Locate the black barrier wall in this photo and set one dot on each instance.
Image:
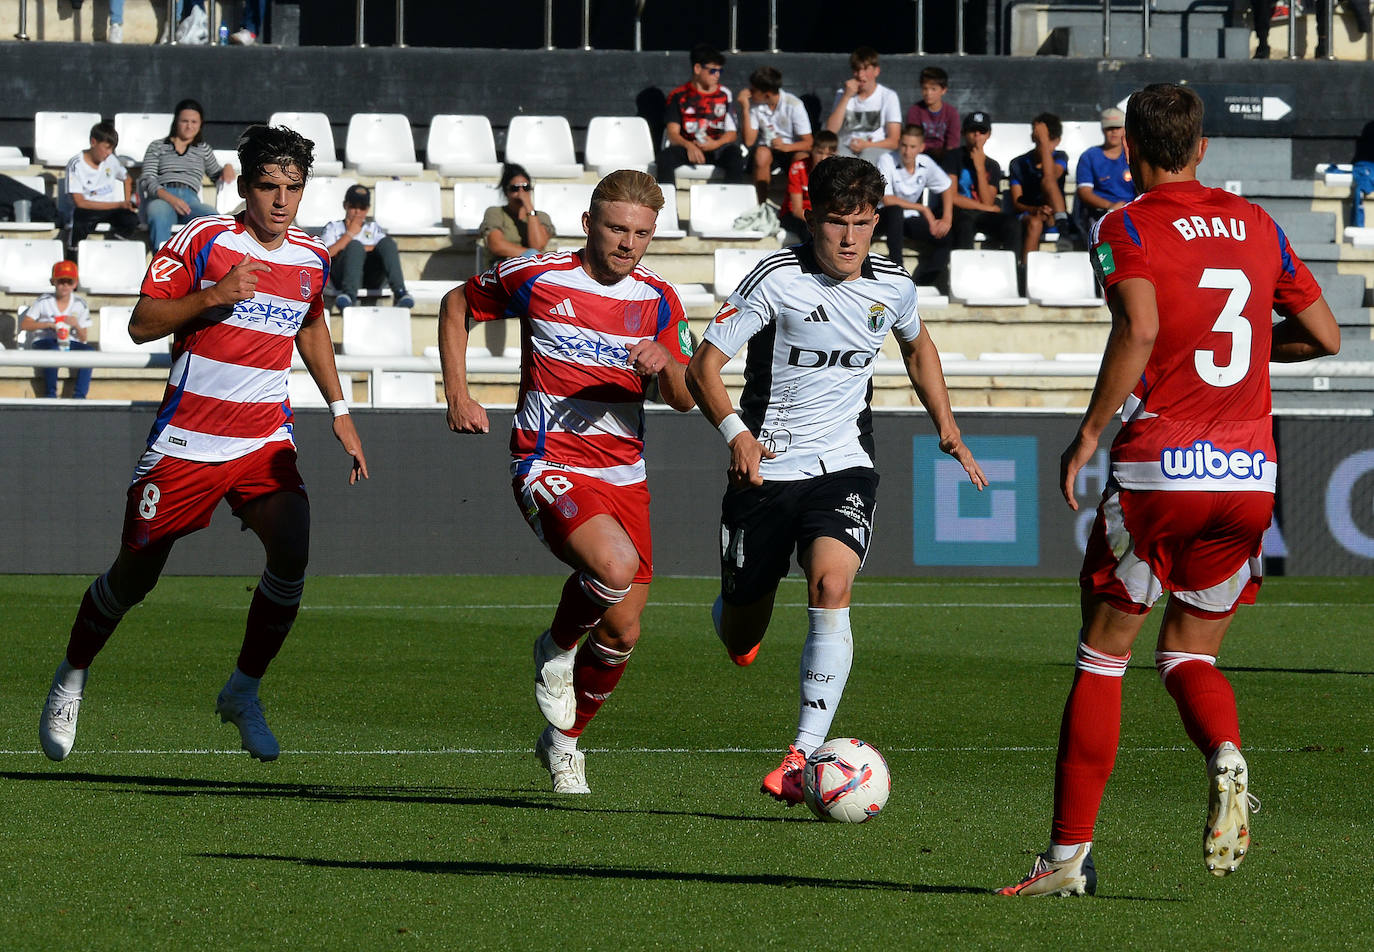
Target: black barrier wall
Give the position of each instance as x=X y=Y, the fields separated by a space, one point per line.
x=439 y=503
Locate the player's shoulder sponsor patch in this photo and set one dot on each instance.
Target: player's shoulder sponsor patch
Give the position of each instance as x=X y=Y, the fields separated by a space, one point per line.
x=162 y=269
x=1103 y=261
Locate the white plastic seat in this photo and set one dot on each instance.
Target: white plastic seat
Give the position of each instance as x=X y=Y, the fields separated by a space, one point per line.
x=138 y=130
x=225 y=197
x=462 y=146
x=715 y=208
x=470 y=202
x=928 y=297
x=26 y=264
x=1010 y=357
x=619 y=142
x=402 y=389
x=732 y=265
x=1079 y=136
x=376 y=331
x=57 y=136
x=381 y=143
x=302 y=390
x=1007 y=141
x=408 y=208
x=315 y=127
x=984 y=278
x=1360 y=237
x=565 y=205
x=111 y=267
x=699 y=173
x=322 y=201
x=114 y=333
x=668 y=225
x=12 y=158
x=543 y=145
x=694 y=295
x=1061 y=280
x=36 y=182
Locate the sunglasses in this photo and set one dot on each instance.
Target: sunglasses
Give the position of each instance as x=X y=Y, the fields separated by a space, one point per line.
x=520 y=188
x=713 y=70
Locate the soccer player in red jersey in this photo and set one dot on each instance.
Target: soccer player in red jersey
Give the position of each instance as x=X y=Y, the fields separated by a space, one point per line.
x=596 y=327
x=235 y=293
x=1191 y=274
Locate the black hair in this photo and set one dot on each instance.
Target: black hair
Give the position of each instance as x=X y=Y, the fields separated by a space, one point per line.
x=510 y=171
x=703 y=55
x=1052 y=124
x=844 y=185
x=261 y=146
x=934 y=74
x=105 y=132
x=188 y=104
x=766 y=79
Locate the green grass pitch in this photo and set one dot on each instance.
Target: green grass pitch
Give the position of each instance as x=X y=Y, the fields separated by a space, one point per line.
x=408 y=812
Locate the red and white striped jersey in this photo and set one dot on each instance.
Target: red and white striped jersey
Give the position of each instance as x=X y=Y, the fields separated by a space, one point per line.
x=226 y=394
x=581 y=407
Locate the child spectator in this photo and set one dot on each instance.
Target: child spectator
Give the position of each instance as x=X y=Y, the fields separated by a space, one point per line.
x=978 y=180
x=1103 y=176
x=97 y=189
x=700 y=128
x=866 y=116
x=61 y=306
x=906 y=211
x=774 y=125
x=938 y=118
x=1037 y=184
x=793 y=217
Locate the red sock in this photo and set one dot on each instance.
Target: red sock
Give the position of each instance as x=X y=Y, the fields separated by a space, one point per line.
x=596 y=671
x=95 y=622
x=581 y=606
x=1088 y=738
x=276 y=603
x=1205 y=699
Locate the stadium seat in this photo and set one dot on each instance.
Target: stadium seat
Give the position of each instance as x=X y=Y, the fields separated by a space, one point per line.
x=12 y=159
x=1061 y=280
x=381 y=143
x=402 y=389
x=543 y=145
x=26 y=264
x=732 y=265
x=322 y=201
x=1008 y=140
x=376 y=331
x=111 y=267
x=138 y=130
x=225 y=197
x=715 y=208
x=470 y=202
x=1007 y=357
x=928 y=297
x=315 y=127
x=114 y=333
x=694 y=295
x=1079 y=137
x=565 y=205
x=698 y=173
x=462 y=146
x=302 y=391
x=619 y=142
x=1336 y=174
x=668 y=225
x=984 y=278
x=57 y=136
x=408 y=208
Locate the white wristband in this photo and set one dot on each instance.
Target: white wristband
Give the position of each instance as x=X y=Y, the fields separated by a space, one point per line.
x=339 y=408
x=731 y=427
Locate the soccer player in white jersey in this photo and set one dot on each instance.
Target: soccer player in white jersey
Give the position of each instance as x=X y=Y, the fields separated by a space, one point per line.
x=597 y=328
x=801 y=472
x=236 y=293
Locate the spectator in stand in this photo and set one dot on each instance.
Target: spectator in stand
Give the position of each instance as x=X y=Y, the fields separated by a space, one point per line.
x=97 y=189
x=1362 y=174
x=515 y=228
x=361 y=254
x=1359 y=9
x=906 y=212
x=61 y=306
x=114 y=33
x=793 y=217
x=774 y=126
x=41 y=208
x=1103 y=177
x=251 y=23
x=173 y=170
x=938 y=118
x=976 y=199
x=867 y=115
x=1037 y=184
x=700 y=127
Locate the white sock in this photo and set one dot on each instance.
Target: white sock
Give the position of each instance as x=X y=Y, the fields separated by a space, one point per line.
x=825 y=661
x=1058 y=852
x=69 y=679
x=561 y=742
x=240 y=683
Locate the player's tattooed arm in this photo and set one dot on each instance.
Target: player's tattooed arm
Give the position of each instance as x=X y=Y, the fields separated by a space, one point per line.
x=465 y=415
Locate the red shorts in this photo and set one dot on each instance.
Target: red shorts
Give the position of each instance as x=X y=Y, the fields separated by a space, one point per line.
x=170 y=498
x=555 y=502
x=1203 y=547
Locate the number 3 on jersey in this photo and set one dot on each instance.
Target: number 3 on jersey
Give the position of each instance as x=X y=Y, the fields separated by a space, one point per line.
x=1231 y=322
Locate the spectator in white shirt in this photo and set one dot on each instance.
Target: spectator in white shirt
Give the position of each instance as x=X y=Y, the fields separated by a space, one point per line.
x=906 y=212
x=774 y=125
x=97 y=189
x=867 y=115
x=361 y=254
x=59 y=320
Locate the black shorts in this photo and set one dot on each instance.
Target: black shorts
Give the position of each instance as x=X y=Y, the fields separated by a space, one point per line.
x=761 y=525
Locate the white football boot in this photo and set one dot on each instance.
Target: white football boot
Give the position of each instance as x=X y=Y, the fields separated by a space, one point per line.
x=1075 y=876
x=57 y=723
x=245 y=713
x=553 y=682
x=567 y=769
x=1226 y=838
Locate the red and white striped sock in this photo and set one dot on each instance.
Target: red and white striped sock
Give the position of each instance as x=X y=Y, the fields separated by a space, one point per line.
x=596 y=671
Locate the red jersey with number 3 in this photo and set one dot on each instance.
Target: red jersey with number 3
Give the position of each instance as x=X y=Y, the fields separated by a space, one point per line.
x=226 y=394
x=1198 y=418
x=581 y=407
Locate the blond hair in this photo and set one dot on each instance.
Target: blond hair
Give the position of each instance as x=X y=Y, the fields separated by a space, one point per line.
x=628 y=185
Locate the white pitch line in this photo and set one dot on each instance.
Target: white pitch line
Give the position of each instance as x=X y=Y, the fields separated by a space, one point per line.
x=549 y=606
x=487 y=751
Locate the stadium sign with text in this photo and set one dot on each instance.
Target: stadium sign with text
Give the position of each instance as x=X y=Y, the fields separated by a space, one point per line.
x=1240 y=109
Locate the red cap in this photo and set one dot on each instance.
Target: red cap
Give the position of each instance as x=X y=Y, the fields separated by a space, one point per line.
x=64 y=269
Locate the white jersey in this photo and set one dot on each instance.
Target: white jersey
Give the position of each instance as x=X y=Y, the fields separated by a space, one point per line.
x=911 y=186
x=371 y=233
x=46 y=311
x=808 y=376
x=101 y=183
x=787 y=120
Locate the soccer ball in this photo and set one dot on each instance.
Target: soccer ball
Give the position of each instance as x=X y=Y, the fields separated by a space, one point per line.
x=846 y=781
